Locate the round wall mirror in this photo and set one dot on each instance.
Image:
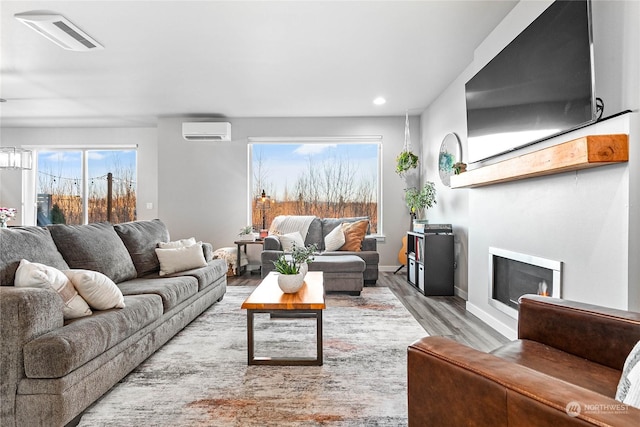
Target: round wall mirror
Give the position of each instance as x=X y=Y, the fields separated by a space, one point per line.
x=450 y=154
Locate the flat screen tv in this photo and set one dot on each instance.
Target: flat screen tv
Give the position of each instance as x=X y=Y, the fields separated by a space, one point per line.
x=540 y=85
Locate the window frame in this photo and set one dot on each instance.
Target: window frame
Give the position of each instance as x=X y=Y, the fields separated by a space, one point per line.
x=29 y=189
x=354 y=139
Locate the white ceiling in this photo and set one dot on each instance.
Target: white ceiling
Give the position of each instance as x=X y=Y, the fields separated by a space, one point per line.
x=237 y=59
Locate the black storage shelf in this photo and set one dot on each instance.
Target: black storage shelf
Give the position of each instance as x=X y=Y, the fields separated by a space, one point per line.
x=430 y=262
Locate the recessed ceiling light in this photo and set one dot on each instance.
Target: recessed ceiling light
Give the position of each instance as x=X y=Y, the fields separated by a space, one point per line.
x=379 y=101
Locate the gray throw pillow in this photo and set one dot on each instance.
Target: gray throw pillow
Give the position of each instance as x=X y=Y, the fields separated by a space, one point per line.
x=314 y=235
x=141 y=239
x=94 y=247
x=31 y=243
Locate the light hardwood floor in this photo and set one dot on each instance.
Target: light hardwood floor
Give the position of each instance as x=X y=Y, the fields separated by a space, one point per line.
x=444 y=316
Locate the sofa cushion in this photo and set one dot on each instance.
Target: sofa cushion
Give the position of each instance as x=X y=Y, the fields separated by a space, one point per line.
x=59 y=352
x=370 y=258
x=207 y=275
x=173 y=260
x=354 y=233
x=314 y=234
x=338 y=264
x=31 y=243
x=172 y=290
x=94 y=247
x=207 y=248
x=36 y=275
x=97 y=289
x=141 y=238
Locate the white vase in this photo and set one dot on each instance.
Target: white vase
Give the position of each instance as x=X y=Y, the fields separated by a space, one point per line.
x=290 y=283
x=304 y=268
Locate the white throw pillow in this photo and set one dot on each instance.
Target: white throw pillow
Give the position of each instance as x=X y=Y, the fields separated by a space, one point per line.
x=629 y=386
x=34 y=275
x=183 y=258
x=289 y=240
x=97 y=289
x=334 y=240
x=177 y=243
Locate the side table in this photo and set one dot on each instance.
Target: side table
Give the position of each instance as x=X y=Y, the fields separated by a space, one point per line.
x=240 y=244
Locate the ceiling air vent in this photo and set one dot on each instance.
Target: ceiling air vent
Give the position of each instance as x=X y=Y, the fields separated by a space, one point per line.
x=59 y=30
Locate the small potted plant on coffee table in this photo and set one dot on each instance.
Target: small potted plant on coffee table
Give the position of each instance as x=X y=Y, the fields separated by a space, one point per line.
x=293 y=266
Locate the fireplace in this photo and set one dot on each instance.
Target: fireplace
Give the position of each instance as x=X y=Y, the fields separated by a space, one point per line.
x=513 y=274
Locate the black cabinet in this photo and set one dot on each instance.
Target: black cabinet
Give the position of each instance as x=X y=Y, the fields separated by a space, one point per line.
x=430 y=260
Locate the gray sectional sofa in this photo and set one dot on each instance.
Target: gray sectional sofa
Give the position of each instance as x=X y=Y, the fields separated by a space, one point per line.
x=345 y=271
x=53 y=369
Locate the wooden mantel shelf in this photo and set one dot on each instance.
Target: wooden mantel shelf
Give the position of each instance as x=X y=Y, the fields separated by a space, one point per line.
x=586 y=152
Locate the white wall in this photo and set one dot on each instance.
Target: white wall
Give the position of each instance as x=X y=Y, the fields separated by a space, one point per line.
x=203 y=186
x=587 y=219
x=11 y=181
x=200 y=188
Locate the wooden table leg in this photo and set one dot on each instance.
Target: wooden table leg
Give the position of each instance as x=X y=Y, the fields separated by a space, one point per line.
x=250 y=348
x=319 y=336
x=285 y=361
x=238 y=257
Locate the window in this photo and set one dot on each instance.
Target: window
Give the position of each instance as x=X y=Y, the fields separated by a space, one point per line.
x=80 y=186
x=328 y=178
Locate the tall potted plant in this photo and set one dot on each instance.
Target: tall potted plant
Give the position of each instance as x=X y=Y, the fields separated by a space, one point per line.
x=418 y=200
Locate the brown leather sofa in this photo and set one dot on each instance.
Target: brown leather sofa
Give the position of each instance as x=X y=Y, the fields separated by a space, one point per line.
x=563 y=370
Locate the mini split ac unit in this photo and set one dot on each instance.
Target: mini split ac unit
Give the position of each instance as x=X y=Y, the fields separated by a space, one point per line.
x=206 y=131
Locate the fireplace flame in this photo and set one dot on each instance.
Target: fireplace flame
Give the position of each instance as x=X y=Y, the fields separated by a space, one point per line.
x=543 y=289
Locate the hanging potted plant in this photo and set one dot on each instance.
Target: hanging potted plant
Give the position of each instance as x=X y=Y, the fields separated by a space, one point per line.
x=406 y=160
x=418 y=200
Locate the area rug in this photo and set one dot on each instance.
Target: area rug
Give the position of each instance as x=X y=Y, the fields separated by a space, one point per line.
x=201 y=377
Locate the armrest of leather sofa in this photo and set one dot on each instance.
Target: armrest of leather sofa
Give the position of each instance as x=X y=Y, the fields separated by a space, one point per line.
x=602 y=335
x=25 y=313
x=451 y=384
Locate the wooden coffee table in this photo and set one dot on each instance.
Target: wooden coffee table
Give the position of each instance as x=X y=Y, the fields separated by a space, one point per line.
x=307 y=302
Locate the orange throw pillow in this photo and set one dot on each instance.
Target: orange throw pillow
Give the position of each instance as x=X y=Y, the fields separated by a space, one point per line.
x=354 y=233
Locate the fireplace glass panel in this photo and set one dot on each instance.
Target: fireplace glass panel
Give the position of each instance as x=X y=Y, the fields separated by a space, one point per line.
x=512 y=279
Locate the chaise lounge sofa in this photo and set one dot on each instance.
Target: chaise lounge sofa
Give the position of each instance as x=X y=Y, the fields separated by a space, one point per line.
x=52 y=368
x=563 y=370
x=346 y=271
